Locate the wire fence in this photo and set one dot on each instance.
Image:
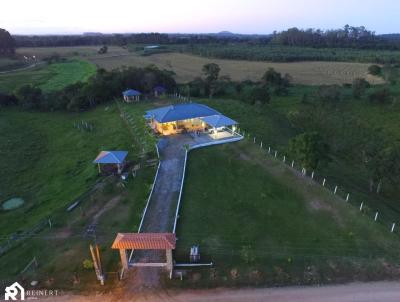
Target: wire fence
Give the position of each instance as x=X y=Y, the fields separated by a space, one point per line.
x=58 y=215
x=340 y=192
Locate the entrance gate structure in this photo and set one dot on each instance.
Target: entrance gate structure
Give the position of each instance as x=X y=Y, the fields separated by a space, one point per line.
x=145 y=241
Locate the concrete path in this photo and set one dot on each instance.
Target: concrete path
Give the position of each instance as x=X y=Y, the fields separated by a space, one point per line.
x=160 y=214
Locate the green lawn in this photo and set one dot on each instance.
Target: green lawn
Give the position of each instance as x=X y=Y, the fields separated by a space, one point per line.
x=260 y=223
x=48 y=77
x=48 y=162
x=271 y=124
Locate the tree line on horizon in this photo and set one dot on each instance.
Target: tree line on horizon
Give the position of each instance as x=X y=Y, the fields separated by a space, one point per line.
x=347 y=37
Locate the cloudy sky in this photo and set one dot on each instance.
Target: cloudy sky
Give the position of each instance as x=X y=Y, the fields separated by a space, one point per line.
x=187 y=16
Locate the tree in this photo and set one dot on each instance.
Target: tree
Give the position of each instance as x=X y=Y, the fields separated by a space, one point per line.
x=390 y=74
x=359 y=87
x=29 y=97
x=309 y=148
x=197 y=87
x=382 y=163
x=103 y=49
x=380 y=96
x=7 y=100
x=374 y=70
x=259 y=95
x=7 y=43
x=274 y=79
x=211 y=71
x=329 y=93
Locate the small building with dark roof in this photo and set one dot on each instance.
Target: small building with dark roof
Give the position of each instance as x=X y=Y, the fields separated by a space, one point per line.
x=131 y=95
x=159 y=91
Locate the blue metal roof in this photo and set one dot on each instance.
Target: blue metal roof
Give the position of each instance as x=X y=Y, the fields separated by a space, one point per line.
x=131 y=92
x=218 y=121
x=180 y=112
x=111 y=157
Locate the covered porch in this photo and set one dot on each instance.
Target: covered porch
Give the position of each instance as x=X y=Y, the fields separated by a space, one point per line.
x=216 y=126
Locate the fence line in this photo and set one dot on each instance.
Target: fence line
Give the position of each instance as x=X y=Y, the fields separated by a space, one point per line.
x=18 y=237
x=335 y=190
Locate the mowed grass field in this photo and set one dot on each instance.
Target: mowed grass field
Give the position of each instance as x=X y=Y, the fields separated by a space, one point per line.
x=49 y=77
x=187 y=67
x=261 y=223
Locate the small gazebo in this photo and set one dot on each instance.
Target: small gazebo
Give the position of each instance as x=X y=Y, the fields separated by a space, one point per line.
x=111 y=158
x=145 y=241
x=131 y=95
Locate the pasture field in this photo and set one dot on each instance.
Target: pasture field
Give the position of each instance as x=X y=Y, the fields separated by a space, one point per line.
x=49 y=77
x=271 y=125
x=47 y=161
x=187 y=67
x=61 y=249
x=69 y=52
x=9 y=64
x=253 y=217
x=260 y=223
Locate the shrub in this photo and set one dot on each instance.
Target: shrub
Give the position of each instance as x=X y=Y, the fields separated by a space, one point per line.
x=87 y=264
x=359 y=86
x=381 y=96
x=374 y=70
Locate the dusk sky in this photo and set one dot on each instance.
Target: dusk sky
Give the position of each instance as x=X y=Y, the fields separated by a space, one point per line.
x=249 y=16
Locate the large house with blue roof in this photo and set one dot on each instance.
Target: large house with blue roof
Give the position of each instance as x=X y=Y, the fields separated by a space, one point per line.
x=190 y=117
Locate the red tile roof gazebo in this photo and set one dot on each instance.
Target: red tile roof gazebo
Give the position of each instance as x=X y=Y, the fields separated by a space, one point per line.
x=145 y=241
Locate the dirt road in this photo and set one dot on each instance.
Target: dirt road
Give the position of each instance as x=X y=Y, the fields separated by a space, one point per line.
x=353 y=292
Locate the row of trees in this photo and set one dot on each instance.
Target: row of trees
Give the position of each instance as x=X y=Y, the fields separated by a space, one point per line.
x=272 y=82
x=125 y=39
x=346 y=37
x=329 y=129
x=101 y=88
